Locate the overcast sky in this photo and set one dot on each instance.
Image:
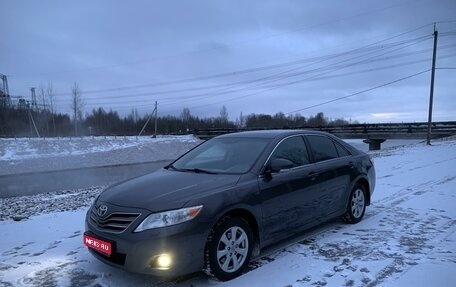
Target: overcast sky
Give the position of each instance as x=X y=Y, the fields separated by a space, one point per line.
x=251 y=56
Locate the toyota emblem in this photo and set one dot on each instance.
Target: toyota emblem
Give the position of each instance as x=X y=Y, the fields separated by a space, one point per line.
x=102 y=209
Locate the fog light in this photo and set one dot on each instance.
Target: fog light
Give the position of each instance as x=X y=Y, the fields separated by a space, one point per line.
x=163 y=261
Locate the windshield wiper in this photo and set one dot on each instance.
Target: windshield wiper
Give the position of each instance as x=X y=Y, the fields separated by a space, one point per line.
x=170 y=166
x=198 y=170
x=195 y=170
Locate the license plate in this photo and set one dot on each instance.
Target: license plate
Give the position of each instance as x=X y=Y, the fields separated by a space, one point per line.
x=97 y=244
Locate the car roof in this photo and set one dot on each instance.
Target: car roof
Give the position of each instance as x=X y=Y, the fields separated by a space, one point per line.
x=270 y=133
x=279 y=134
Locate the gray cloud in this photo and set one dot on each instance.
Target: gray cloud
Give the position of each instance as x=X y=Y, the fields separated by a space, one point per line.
x=106 y=44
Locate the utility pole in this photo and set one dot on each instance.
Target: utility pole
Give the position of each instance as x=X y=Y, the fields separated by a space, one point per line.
x=34 y=105
x=156 y=111
x=30 y=120
x=33 y=122
x=431 y=92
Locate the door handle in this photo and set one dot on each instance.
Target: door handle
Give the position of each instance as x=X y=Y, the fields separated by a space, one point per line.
x=312 y=175
x=351 y=165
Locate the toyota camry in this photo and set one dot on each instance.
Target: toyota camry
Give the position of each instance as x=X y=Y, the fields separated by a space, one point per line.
x=221 y=203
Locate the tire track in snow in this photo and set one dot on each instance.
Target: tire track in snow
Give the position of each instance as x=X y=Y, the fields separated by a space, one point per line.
x=388 y=203
x=312 y=243
x=308 y=239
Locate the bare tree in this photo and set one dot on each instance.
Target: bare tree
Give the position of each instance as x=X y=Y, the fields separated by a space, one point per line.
x=50 y=96
x=224 y=115
x=77 y=104
x=46 y=95
x=240 y=122
x=186 y=116
x=42 y=94
x=42 y=97
x=134 y=117
x=319 y=120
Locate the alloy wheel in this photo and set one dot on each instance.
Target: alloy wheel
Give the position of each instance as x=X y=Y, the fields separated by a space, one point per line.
x=358 y=203
x=232 y=249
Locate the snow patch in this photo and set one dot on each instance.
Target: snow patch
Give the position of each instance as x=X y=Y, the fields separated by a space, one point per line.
x=49 y=154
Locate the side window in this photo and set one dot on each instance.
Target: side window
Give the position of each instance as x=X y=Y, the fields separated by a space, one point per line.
x=341 y=150
x=322 y=147
x=293 y=149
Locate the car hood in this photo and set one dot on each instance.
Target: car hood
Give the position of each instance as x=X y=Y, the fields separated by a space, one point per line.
x=165 y=189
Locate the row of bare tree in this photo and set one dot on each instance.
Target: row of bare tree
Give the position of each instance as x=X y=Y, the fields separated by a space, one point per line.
x=16 y=121
x=41 y=119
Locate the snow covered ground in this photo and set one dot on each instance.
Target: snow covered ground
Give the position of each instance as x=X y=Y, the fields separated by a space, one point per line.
x=407 y=238
x=24 y=155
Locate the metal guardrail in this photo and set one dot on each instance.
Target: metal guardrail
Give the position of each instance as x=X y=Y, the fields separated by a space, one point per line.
x=381 y=131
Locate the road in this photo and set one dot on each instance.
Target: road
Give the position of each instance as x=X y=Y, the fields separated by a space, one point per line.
x=41 y=182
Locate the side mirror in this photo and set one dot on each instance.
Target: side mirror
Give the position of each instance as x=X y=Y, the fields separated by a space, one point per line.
x=278 y=164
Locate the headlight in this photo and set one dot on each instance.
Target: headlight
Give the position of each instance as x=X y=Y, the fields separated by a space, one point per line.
x=168 y=218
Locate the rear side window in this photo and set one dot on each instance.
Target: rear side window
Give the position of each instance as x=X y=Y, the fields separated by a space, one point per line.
x=293 y=149
x=322 y=147
x=341 y=150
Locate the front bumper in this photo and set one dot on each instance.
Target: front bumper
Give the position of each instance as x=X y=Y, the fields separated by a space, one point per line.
x=137 y=252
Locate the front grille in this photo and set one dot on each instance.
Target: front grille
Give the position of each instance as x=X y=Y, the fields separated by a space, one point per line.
x=114 y=222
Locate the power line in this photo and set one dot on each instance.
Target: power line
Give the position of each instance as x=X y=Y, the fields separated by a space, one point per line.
x=252 y=94
x=381 y=68
x=314 y=78
x=224 y=101
x=327 y=102
x=298 y=81
x=262 y=68
x=281 y=85
x=446 y=21
x=309 y=79
x=360 y=92
x=285 y=75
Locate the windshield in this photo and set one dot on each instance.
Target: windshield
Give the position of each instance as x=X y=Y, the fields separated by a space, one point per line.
x=223 y=155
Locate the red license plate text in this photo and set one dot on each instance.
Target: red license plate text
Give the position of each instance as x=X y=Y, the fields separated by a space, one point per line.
x=97 y=244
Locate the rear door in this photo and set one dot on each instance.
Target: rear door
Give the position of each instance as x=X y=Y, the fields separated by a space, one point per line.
x=333 y=164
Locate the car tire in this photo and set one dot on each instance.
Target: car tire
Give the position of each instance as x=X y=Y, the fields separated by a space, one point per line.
x=228 y=248
x=356 y=205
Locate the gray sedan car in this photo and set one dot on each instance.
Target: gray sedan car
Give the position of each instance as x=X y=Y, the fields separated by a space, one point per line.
x=218 y=205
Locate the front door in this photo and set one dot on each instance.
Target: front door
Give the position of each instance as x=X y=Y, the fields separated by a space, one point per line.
x=289 y=197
